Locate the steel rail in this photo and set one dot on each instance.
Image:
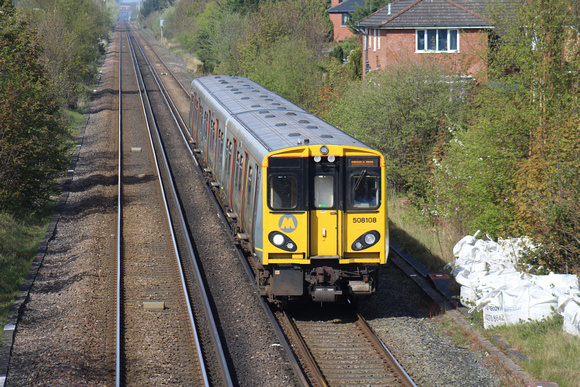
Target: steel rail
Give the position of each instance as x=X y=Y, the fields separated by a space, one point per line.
x=119 y=226
x=379 y=344
x=189 y=247
x=144 y=100
x=173 y=107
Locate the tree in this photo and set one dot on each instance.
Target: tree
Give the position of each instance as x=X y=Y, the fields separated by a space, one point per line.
x=71 y=33
x=33 y=146
x=284 y=45
x=519 y=161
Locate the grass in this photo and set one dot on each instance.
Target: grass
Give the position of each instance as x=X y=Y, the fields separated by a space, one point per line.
x=19 y=241
x=430 y=245
x=552 y=354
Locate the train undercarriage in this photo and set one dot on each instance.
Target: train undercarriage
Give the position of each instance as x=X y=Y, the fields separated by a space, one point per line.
x=325 y=282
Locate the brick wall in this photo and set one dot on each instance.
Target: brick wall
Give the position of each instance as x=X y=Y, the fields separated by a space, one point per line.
x=387 y=47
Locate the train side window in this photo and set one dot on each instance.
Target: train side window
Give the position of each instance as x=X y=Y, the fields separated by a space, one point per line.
x=324 y=191
x=282 y=191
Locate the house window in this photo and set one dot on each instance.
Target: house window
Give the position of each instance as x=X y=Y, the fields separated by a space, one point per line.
x=345 y=18
x=437 y=40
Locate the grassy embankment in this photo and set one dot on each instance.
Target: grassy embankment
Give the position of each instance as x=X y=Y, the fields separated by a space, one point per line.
x=20 y=237
x=552 y=355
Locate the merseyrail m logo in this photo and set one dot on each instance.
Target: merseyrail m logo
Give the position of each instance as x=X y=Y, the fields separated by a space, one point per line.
x=288 y=223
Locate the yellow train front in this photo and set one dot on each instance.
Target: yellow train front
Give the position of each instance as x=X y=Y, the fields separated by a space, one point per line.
x=310 y=198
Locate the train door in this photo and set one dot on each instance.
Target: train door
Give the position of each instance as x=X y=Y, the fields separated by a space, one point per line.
x=227 y=183
x=193 y=113
x=324 y=214
x=219 y=154
x=199 y=125
x=249 y=197
x=211 y=141
x=238 y=176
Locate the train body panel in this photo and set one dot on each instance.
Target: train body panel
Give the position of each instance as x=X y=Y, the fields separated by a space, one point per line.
x=310 y=198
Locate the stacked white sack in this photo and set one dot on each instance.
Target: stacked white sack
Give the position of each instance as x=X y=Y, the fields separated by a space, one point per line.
x=490 y=280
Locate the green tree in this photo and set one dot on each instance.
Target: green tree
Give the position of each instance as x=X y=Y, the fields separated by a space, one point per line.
x=33 y=146
x=150 y=6
x=518 y=163
x=301 y=28
x=71 y=33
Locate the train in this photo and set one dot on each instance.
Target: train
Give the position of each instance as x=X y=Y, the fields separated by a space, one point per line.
x=308 y=199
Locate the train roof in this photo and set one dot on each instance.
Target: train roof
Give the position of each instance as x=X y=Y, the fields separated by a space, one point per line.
x=272 y=120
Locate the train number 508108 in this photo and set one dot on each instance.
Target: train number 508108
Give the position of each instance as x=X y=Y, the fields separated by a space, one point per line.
x=365 y=220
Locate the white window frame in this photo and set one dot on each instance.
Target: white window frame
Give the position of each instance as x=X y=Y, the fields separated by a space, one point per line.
x=437 y=48
x=344 y=18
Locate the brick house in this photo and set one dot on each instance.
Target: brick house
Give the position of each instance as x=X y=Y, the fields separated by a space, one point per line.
x=454 y=32
x=339 y=13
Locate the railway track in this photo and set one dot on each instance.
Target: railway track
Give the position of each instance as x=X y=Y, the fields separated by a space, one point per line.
x=338 y=348
x=157 y=338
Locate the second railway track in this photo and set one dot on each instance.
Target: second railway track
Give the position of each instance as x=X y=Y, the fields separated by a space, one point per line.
x=157 y=337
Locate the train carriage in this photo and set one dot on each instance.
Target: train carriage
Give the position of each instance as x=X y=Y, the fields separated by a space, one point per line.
x=310 y=199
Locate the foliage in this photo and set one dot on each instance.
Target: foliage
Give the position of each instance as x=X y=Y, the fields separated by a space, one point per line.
x=552 y=354
x=220 y=33
x=18 y=245
x=284 y=47
x=72 y=33
x=150 y=6
x=349 y=53
x=515 y=170
x=33 y=146
x=289 y=69
x=475 y=172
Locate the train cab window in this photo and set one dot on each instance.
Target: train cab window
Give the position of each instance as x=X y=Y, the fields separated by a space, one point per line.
x=363 y=184
x=285 y=184
x=283 y=192
x=324 y=191
x=364 y=190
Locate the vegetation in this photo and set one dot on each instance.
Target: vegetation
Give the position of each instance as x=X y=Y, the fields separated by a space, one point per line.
x=18 y=245
x=514 y=170
x=552 y=355
x=33 y=147
x=49 y=52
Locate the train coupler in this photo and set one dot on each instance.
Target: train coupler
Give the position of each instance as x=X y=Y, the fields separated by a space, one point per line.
x=325 y=294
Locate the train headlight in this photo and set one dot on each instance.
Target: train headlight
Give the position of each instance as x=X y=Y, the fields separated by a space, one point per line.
x=370 y=239
x=366 y=240
x=324 y=150
x=282 y=241
x=278 y=239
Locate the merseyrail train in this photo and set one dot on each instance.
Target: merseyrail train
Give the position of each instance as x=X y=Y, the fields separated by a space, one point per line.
x=308 y=199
